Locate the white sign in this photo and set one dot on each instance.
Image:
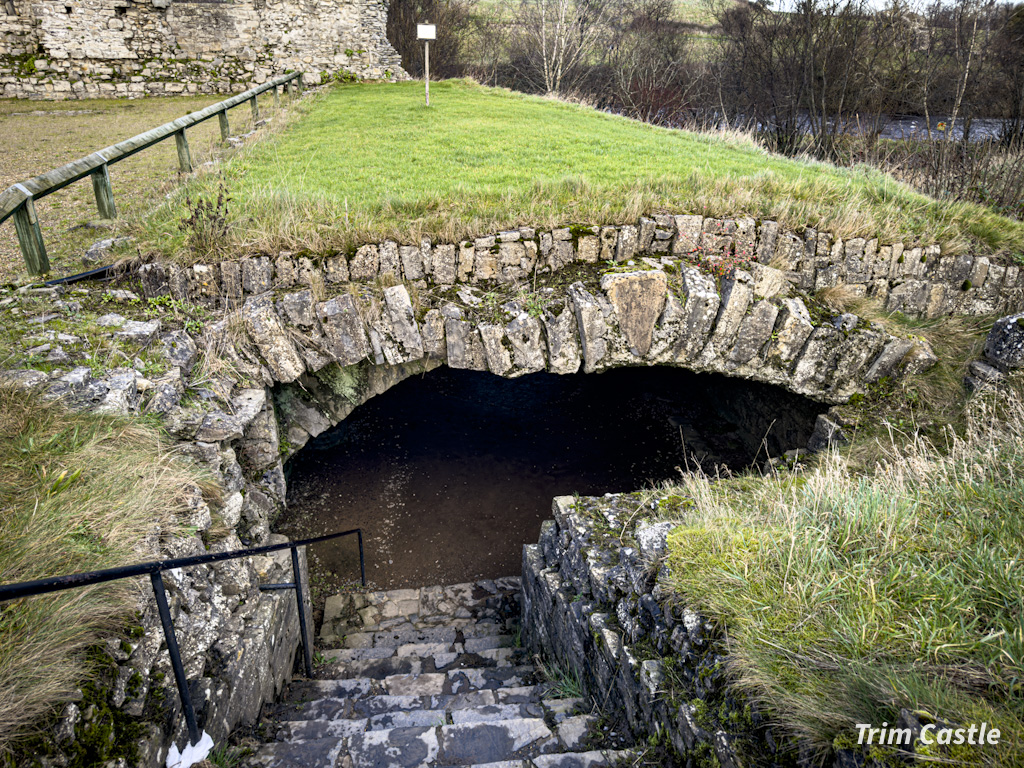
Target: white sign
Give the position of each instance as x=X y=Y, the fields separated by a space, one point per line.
x=426 y=31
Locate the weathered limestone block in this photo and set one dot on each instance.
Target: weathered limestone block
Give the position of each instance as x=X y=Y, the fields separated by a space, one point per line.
x=638 y=299
x=445 y=263
x=562 y=253
x=589 y=249
x=590 y=320
x=1004 y=346
x=564 y=352
x=499 y=360
x=852 y=359
x=260 y=446
x=626 y=246
x=204 y=281
x=524 y=334
x=465 y=347
x=791 y=257
x=793 y=328
x=687 y=235
x=394 y=336
x=910 y=297
x=609 y=242
x=857 y=260
x=512 y=259
x=467 y=258
x=745 y=237
x=919 y=359
x=768 y=281
x=754 y=333
x=343 y=329
x=336 y=270
x=231 y=281
x=767 y=238
x=297 y=309
x=889 y=360
x=485 y=259
x=811 y=374
x=737 y=293
x=699 y=312
x=257 y=275
x=645 y=235
x=389 y=261
x=829 y=263
x=285 y=272
x=432 y=332
x=180 y=350
x=365 y=264
x=412 y=262
x=271 y=338
x=220 y=427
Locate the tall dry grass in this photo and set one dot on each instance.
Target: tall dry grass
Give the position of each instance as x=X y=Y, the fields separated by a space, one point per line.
x=849 y=597
x=78 y=492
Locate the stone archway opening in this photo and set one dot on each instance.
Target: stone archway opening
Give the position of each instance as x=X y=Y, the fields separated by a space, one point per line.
x=450 y=472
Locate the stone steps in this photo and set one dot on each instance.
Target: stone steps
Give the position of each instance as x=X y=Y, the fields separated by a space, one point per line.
x=419 y=692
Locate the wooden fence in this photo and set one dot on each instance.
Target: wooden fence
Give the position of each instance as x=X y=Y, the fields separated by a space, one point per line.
x=19 y=200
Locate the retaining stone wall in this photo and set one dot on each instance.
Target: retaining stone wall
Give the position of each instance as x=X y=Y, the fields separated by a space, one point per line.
x=73 y=49
x=919 y=281
x=594 y=602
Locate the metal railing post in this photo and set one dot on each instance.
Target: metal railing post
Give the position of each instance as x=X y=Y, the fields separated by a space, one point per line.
x=362 y=562
x=300 y=598
x=172 y=649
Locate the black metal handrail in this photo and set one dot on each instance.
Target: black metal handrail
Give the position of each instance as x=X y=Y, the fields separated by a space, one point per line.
x=155 y=568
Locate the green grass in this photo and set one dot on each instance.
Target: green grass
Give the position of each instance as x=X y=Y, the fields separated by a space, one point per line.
x=848 y=597
x=78 y=492
x=369 y=161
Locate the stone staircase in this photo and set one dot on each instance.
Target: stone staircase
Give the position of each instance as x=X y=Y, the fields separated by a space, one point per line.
x=432 y=677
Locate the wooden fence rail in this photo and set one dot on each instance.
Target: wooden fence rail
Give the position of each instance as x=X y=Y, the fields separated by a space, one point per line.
x=19 y=200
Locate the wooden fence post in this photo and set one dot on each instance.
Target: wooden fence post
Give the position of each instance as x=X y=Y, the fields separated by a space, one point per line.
x=277 y=98
x=30 y=238
x=255 y=110
x=225 y=128
x=104 y=193
x=299 y=81
x=184 y=156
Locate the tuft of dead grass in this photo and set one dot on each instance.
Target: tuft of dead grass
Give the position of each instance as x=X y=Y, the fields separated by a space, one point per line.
x=851 y=596
x=78 y=492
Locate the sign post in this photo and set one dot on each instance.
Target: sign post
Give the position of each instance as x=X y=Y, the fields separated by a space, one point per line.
x=426 y=33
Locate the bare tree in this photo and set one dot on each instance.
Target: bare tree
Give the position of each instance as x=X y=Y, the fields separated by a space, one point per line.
x=556 y=40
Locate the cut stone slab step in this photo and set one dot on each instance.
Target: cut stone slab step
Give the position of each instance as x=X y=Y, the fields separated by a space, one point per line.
x=471 y=645
x=592 y=759
x=415 y=665
x=452 y=745
x=357 y=708
x=321 y=753
x=456 y=681
x=406 y=634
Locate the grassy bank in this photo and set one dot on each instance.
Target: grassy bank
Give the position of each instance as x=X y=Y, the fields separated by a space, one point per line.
x=849 y=597
x=77 y=492
x=369 y=161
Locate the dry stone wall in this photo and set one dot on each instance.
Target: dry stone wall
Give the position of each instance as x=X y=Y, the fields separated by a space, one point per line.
x=63 y=49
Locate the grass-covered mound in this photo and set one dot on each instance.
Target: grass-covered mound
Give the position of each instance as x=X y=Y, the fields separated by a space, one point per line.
x=77 y=492
x=849 y=597
x=367 y=161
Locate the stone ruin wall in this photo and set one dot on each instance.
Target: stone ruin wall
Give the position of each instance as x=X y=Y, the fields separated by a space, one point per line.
x=305 y=343
x=78 y=49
